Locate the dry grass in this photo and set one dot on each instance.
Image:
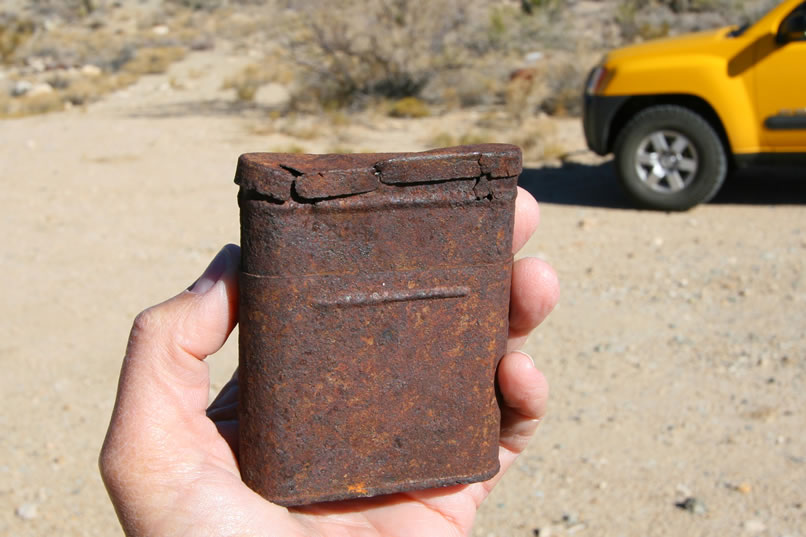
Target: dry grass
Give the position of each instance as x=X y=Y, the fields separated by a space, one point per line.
x=445 y=139
x=340 y=150
x=408 y=107
x=67 y=92
x=249 y=80
x=290 y=148
x=536 y=139
x=29 y=105
x=13 y=33
x=153 y=60
x=369 y=50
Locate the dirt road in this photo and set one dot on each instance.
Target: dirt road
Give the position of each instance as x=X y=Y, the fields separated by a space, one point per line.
x=676 y=356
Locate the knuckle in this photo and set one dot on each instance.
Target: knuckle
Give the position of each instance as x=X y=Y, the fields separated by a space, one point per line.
x=145 y=321
x=109 y=464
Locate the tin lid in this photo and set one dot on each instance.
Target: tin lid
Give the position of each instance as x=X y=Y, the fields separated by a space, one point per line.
x=282 y=177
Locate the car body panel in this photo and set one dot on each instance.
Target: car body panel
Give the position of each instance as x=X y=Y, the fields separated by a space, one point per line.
x=755 y=85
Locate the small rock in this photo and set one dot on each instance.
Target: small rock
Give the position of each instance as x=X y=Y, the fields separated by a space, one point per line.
x=586 y=223
x=37 y=64
x=42 y=88
x=693 y=505
x=91 y=70
x=20 y=88
x=160 y=29
x=204 y=42
x=744 y=488
x=26 y=511
x=753 y=526
x=570 y=519
x=533 y=57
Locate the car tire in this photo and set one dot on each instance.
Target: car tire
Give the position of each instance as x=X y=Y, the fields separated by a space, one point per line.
x=670 y=158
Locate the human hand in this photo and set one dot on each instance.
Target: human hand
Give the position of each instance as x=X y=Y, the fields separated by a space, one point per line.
x=171 y=467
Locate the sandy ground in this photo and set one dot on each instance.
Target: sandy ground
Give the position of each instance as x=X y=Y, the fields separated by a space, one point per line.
x=676 y=356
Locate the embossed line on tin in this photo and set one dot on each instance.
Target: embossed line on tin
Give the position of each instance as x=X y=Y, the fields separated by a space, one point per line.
x=371 y=299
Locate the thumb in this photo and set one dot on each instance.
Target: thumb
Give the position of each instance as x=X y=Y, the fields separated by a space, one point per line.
x=163 y=376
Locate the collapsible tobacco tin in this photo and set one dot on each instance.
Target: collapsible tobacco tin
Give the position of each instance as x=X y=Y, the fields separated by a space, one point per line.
x=374 y=303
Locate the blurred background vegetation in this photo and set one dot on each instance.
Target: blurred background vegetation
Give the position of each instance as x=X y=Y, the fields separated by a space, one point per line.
x=513 y=60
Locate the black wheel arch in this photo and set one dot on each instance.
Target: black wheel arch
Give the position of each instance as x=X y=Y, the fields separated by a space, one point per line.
x=696 y=104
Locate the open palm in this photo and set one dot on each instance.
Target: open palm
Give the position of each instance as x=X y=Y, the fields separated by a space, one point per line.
x=170 y=465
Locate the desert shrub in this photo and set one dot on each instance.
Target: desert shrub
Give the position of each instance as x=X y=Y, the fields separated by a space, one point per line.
x=200 y=5
x=480 y=84
x=13 y=33
x=248 y=81
x=446 y=139
x=364 y=50
x=535 y=137
x=478 y=137
x=210 y=5
x=626 y=14
x=75 y=46
x=564 y=98
x=507 y=30
x=66 y=9
x=650 y=19
x=85 y=90
x=340 y=150
x=291 y=148
x=28 y=105
x=531 y=6
x=442 y=139
x=153 y=60
x=410 y=107
x=526 y=87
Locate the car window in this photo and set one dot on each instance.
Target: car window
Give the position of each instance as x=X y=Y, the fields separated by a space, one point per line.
x=794 y=25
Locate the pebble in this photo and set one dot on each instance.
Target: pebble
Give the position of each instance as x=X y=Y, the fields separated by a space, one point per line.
x=754 y=526
x=20 y=88
x=586 y=223
x=42 y=88
x=693 y=505
x=26 y=511
x=570 y=519
x=91 y=70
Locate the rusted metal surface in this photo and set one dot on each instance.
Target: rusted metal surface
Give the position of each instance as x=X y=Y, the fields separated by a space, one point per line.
x=373 y=312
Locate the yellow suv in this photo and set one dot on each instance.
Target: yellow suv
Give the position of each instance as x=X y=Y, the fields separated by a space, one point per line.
x=678 y=113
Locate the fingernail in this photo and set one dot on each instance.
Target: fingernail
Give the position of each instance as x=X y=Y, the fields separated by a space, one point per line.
x=214 y=271
x=528 y=356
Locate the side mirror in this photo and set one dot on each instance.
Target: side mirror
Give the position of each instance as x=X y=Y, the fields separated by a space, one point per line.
x=793 y=28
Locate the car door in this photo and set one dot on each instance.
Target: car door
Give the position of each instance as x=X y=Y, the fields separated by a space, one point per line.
x=781 y=85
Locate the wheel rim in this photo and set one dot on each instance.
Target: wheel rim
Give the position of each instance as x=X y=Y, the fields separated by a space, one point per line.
x=666 y=161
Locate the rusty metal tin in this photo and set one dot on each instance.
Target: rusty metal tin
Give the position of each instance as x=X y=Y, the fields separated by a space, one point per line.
x=374 y=305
